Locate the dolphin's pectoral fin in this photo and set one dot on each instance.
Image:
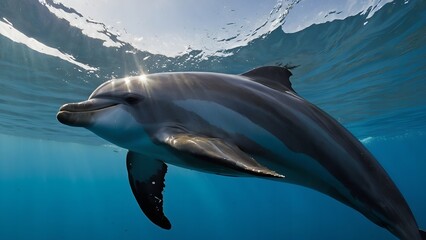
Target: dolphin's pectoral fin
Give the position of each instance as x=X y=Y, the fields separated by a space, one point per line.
x=147 y=182
x=216 y=151
x=271 y=76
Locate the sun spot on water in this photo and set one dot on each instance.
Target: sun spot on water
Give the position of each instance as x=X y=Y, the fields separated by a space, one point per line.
x=142 y=78
x=127 y=83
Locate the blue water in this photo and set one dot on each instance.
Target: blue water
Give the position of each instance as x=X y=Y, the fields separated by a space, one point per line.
x=58 y=182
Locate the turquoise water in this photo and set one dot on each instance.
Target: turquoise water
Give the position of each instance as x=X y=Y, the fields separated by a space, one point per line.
x=58 y=182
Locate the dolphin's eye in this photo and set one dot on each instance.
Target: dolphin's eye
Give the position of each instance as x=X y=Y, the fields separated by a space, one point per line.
x=132 y=99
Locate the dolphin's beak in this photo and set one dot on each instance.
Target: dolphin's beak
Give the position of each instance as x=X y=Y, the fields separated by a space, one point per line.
x=80 y=114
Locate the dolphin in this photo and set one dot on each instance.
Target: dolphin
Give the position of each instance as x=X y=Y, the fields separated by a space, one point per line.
x=252 y=124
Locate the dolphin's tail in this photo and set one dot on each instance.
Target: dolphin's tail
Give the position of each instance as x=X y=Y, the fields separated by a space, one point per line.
x=422 y=234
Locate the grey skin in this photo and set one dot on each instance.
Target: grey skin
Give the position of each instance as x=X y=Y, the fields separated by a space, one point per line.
x=253 y=124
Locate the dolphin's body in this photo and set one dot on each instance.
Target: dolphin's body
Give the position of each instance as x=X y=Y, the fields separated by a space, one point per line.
x=252 y=124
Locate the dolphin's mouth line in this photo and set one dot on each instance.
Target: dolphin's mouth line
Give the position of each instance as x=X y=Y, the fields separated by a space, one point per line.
x=64 y=109
x=80 y=114
x=90 y=105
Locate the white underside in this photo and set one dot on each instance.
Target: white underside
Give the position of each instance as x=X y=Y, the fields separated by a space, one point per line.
x=119 y=127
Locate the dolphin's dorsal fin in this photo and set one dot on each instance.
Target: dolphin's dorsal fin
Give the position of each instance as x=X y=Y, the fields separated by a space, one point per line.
x=146 y=178
x=274 y=77
x=215 y=151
